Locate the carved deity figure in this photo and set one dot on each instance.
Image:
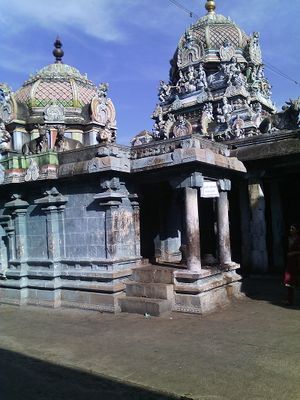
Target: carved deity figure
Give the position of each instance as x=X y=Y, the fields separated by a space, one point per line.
x=191 y=79
x=232 y=71
x=254 y=49
x=164 y=91
x=189 y=40
x=201 y=82
x=257 y=115
x=102 y=90
x=4 y=137
x=238 y=127
x=206 y=118
x=106 y=134
x=2 y=96
x=227 y=51
x=5 y=105
x=180 y=86
x=158 y=113
x=182 y=127
x=224 y=112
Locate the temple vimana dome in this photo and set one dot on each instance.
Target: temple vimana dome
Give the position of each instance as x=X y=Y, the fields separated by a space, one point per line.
x=171 y=222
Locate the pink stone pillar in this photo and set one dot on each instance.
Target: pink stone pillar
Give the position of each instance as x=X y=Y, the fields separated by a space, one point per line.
x=193 y=259
x=223 y=223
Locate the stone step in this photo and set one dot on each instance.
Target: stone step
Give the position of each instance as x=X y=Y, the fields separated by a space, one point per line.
x=150 y=290
x=153 y=275
x=143 y=305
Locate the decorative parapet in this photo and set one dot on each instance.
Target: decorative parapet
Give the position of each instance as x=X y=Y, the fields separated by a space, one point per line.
x=182 y=151
x=168 y=146
x=17 y=169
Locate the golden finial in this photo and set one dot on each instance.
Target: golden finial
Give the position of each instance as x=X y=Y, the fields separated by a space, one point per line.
x=210 y=6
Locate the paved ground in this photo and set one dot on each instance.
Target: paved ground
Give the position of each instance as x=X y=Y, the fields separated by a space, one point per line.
x=248 y=351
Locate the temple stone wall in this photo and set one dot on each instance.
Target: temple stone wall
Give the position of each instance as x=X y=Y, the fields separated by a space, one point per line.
x=69 y=244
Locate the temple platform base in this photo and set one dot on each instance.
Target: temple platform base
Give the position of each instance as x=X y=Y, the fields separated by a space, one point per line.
x=206 y=291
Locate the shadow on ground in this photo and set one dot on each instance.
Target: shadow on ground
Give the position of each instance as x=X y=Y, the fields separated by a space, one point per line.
x=27 y=378
x=270 y=289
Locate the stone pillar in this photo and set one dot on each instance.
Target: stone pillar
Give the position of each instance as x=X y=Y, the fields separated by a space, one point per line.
x=136 y=223
x=193 y=258
x=7 y=225
x=111 y=200
x=190 y=184
x=277 y=226
x=258 y=231
x=223 y=222
x=18 y=209
x=53 y=204
x=245 y=226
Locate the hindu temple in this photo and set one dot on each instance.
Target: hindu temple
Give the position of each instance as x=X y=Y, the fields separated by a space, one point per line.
x=171 y=222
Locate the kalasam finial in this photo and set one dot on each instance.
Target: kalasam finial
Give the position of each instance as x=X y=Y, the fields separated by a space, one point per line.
x=58 y=51
x=210 y=6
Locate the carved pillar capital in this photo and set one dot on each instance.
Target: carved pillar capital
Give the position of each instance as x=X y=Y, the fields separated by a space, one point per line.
x=193 y=180
x=224 y=185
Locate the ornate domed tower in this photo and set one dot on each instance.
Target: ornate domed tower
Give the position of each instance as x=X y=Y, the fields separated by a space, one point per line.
x=59 y=96
x=217 y=86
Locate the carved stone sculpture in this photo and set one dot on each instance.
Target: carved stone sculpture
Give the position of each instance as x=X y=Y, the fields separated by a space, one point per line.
x=206 y=118
x=224 y=112
x=182 y=127
x=5 y=104
x=39 y=144
x=287 y=119
x=54 y=113
x=63 y=143
x=164 y=91
x=106 y=134
x=5 y=137
x=227 y=51
x=201 y=81
x=44 y=142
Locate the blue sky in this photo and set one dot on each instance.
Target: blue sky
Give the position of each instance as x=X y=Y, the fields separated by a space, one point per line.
x=128 y=43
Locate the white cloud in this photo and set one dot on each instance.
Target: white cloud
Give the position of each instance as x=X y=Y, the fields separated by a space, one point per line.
x=98 y=18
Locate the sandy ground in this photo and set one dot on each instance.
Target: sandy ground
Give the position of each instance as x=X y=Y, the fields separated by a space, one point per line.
x=250 y=350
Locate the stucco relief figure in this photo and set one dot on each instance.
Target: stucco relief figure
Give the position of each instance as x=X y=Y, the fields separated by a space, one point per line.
x=63 y=143
x=254 y=49
x=102 y=110
x=288 y=118
x=182 y=127
x=189 y=40
x=157 y=113
x=201 y=81
x=232 y=71
x=257 y=115
x=206 y=118
x=227 y=51
x=180 y=86
x=32 y=172
x=156 y=131
x=191 y=79
x=225 y=112
x=2 y=96
x=164 y=91
x=106 y=134
x=5 y=105
x=44 y=141
x=5 y=137
x=238 y=127
x=54 y=113
x=102 y=90
x=165 y=127
x=38 y=145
